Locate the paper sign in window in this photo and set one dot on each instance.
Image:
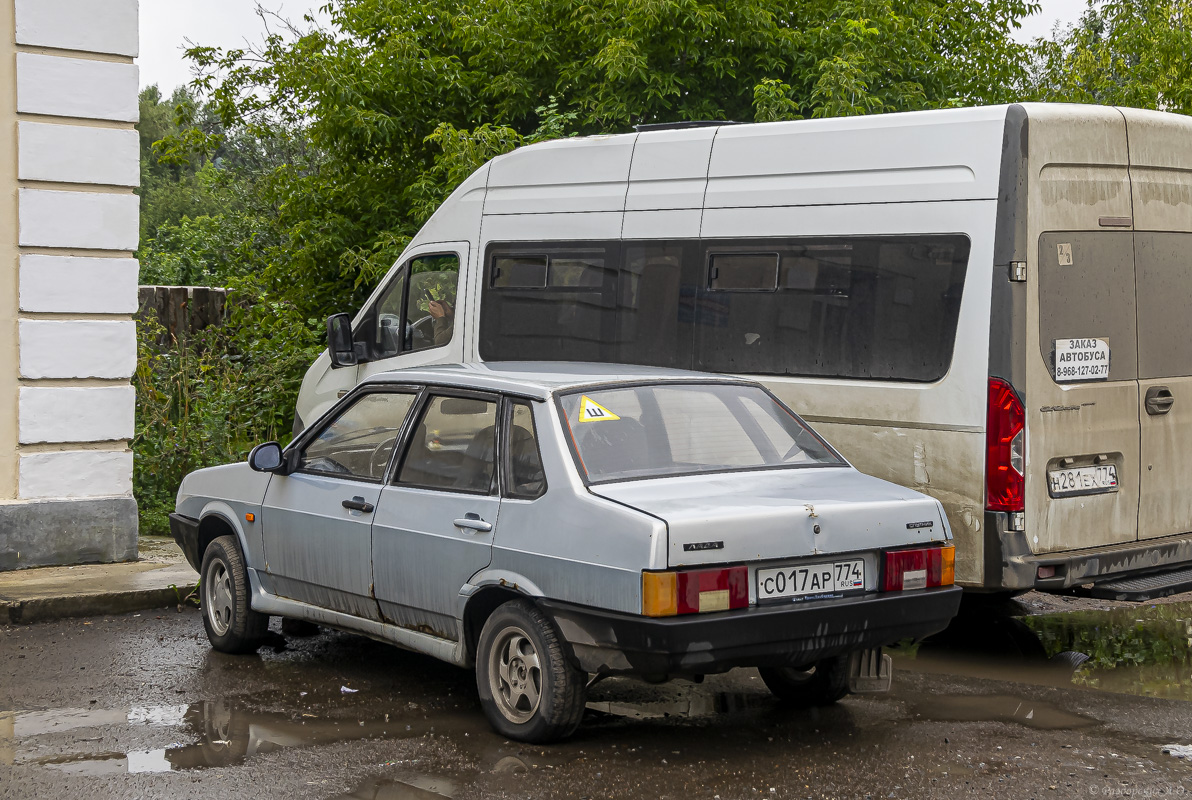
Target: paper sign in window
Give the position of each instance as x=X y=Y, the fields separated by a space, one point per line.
x=1081 y=360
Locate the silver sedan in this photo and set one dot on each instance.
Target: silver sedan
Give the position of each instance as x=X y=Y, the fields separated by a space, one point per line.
x=553 y=524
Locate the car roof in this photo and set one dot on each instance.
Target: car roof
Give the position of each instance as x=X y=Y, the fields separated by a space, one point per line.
x=540 y=379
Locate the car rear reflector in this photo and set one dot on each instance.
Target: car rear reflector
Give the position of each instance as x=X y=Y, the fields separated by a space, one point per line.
x=665 y=594
x=1005 y=449
x=920 y=568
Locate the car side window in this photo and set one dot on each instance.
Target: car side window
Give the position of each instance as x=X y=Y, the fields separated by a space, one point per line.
x=453 y=446
x=527 y=479
x=416 y=311
x=359 y=442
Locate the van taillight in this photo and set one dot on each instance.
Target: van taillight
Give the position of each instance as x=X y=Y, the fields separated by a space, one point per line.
x=665 y=594
x=920 y=568
x=1005 y=449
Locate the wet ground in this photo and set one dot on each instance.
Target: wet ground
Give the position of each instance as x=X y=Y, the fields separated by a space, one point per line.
x=139 y=706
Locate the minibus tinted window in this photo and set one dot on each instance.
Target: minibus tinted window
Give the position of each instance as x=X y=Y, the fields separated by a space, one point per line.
x=743 y=272
x=1087 y=291
x=1164 y=265
x=525 y=272
x=864 y=307
x=881 y=308
x=596 y=302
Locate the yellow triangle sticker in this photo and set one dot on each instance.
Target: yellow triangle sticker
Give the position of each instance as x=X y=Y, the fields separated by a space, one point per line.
x=591 y=411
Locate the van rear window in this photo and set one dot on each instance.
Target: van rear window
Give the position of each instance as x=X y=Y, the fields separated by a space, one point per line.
x=862 y=307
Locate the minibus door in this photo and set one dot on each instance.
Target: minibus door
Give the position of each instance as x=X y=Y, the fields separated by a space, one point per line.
x=1164 y=264
x=1083 y=427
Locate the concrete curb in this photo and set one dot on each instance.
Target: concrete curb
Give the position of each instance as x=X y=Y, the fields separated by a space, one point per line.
x=23 y=612
x=90 y=590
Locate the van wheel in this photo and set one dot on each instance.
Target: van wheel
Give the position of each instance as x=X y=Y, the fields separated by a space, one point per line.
x=821 y=684
x=528 y=689
x=231 y=625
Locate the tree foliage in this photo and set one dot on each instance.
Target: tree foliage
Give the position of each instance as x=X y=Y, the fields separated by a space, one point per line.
x=1121 y=52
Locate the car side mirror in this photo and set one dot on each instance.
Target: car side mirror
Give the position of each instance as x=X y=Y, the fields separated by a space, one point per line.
x=266 y=457
x=340 y=344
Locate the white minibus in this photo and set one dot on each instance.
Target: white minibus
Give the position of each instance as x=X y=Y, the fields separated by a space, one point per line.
x=989 y=305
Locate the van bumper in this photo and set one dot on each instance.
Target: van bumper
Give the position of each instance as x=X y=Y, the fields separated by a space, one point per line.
x=790 y=634
x=1010 y=564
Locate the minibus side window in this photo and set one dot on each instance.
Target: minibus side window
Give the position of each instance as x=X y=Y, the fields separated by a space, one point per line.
x=865 y=307
x=587 y=301
x=743 y=272
x=416 y=311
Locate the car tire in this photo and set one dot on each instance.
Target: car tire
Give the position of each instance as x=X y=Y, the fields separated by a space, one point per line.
x=231 y=624
x=528 y=688
x=821 y=684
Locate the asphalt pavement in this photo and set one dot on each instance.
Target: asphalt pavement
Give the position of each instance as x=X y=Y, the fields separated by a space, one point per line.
x=139 y=706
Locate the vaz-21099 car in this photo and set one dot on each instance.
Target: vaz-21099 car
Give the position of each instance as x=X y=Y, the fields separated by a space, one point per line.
x=550 y=522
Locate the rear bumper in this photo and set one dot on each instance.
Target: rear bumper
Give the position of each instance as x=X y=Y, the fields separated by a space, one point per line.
x=1010 y=564
x=793 y=634
x=186 y=533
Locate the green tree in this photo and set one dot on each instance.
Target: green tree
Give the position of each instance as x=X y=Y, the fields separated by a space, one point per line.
x=1121 y=52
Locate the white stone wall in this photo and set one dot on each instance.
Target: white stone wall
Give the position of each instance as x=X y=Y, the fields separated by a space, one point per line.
x=78 y=221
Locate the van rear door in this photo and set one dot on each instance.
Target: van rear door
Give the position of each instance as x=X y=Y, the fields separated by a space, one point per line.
x=1083 y=447
x=1161 y=189
x=1164 y=263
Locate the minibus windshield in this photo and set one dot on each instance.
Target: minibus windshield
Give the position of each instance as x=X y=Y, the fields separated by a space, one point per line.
x=679 y=428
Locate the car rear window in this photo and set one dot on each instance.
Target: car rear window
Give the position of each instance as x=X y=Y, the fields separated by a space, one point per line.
x=676 y=429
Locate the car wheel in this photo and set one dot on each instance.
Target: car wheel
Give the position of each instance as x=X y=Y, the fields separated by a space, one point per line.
x=821 y=684
x=528 y=689
x=231 y=625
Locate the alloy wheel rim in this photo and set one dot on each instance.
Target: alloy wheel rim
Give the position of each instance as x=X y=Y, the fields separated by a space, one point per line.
x=217 y=597
x=515 y=675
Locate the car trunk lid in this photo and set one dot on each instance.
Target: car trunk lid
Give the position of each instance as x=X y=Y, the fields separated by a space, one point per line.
x=765 y=515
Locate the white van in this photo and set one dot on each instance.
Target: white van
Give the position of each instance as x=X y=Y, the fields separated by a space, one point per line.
x=989 y=305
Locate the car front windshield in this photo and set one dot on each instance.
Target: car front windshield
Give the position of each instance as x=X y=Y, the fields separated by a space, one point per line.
x=678 y=428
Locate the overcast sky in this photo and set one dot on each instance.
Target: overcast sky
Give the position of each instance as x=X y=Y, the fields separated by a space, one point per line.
x=167 y=24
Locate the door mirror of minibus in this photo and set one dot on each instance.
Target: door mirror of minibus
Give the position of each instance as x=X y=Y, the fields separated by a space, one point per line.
x=340 y=345
x=266 y=457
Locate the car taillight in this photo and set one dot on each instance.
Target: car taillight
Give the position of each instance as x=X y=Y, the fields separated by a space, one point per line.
x=1005 y=449
x=920 y=568
x=665 y=594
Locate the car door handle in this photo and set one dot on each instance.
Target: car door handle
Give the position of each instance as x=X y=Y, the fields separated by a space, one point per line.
x=1158 y=400
x=358 y=503
x=473 y=522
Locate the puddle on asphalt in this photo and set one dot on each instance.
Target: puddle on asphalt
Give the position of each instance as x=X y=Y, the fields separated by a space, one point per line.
x=999 y=708
x=691 y=705
x=1142 y=650
x=1146 y=650
x=216 y=733
x=414 y=789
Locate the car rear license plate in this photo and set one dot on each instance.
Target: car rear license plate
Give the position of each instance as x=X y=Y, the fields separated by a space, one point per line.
x=1082 y=480
x=811 y=579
